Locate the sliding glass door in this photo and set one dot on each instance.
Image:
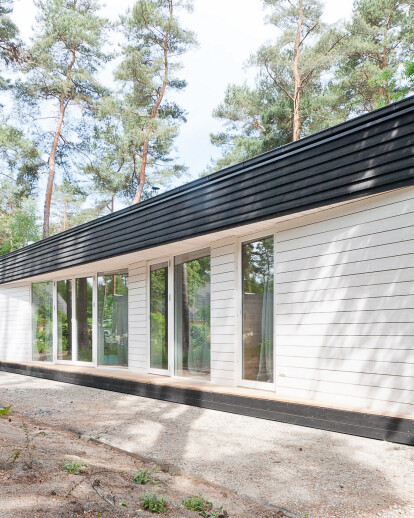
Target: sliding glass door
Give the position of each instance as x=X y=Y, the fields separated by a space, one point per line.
x=64 y=320
x=159 y=316
x=42 y=321
x=192 y=314
x=257 y=302
x=74 y=303
x=84 y=318
x=113 y=319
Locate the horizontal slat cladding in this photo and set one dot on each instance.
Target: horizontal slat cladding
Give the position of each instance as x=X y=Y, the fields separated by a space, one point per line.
x=365 y=156
x=395 y=429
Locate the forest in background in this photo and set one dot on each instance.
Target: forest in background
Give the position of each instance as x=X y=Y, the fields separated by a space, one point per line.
x=97 y=146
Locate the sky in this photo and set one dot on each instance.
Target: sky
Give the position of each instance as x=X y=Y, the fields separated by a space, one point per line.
x=228 y=32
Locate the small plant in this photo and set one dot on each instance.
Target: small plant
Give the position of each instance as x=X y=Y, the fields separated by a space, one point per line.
x=154 y=503
x=5 y=411
x=75 y=467
x=144 y=476
x=197 y=503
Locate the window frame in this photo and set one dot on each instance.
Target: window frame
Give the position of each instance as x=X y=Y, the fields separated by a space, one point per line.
x=92 y=363
x=246 y=239
x=170 y=329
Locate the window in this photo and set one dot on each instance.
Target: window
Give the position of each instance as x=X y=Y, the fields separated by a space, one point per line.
x=257 y=302
x=159 y=316
x=64 y=320
x=113 y=319
x=192 y=314
x=84 y=318
x=42 y=318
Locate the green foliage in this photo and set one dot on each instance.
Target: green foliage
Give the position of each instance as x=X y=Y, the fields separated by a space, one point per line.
x=261 y=118
x=6 y=410
x=139 y=123
x=75 y=467
x=10 y=46
x=197 y=503
x=144 y=477
x=381 y=38
x=154 y=503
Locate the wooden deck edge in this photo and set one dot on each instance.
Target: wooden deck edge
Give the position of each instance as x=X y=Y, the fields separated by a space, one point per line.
x=373 y=426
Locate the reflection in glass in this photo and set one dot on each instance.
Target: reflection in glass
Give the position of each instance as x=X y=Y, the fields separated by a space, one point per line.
x=84 y=293
x=113 y=319
x=192 y=316
x=64 y=320
x=159 y=317
x=42 y=317
x=257 y=266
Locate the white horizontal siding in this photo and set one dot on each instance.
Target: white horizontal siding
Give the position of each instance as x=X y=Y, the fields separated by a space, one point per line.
x=345 y=304
x=15 y=323
x=223 y=312
x=137 y=317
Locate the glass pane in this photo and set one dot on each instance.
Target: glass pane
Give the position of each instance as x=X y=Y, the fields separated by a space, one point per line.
x=159 y=318
x=64 y=320
x=192 y=317
x=113 y=319
x=84 y=291
x=42 y=315
x=257 y=266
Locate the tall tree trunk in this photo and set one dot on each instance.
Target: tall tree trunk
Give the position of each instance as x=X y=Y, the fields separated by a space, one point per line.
x=52 y=161
x=141 y=183
x=296 y=76
x=52 y=157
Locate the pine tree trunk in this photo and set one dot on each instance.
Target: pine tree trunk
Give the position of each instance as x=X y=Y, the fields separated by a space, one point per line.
x=296 y=76
x=52 y=157
x=52 y=162
x=138 y=194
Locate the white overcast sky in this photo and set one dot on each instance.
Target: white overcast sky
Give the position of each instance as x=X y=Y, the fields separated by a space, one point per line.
x=228 y=32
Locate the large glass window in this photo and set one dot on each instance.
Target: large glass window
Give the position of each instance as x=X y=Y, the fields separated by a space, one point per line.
x=42 y=317
x=113 y=319
x=159 y=316
x=83 y=300
x=257 y=267
x=192 y=314
x=64 y=320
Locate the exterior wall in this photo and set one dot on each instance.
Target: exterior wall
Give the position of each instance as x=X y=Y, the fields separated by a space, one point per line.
x=345 y=303
x=137 y=317
x=344 y=283
x=15 y=323
x=223 y=312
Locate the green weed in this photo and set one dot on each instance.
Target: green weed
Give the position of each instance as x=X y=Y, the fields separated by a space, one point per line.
x=155 y=504
x=197 y=503
x=75 y=467
x=144 y=476
x=5 y=411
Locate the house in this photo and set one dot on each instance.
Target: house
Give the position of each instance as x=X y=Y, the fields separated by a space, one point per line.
x=281 y=287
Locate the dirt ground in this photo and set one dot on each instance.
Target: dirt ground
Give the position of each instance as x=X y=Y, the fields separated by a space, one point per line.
x=35 y=483
x=302 y=470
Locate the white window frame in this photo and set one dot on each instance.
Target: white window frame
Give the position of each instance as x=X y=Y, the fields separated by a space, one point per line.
x=260 y=385
x=93 y=363
x=170 y=329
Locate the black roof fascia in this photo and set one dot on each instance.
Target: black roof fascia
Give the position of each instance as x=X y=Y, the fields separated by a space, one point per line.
x=370 y=154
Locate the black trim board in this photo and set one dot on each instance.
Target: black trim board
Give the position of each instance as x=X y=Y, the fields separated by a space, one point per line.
x=373 y=426
x=371 y=154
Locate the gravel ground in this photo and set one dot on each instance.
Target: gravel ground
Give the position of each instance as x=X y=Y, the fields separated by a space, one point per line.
x=35 y=484
x=321 y=474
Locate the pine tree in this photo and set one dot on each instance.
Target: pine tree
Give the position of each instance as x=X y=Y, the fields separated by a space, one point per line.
x=382 y=35
x=10 y=45
x=65 y=57
x=154 y=39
